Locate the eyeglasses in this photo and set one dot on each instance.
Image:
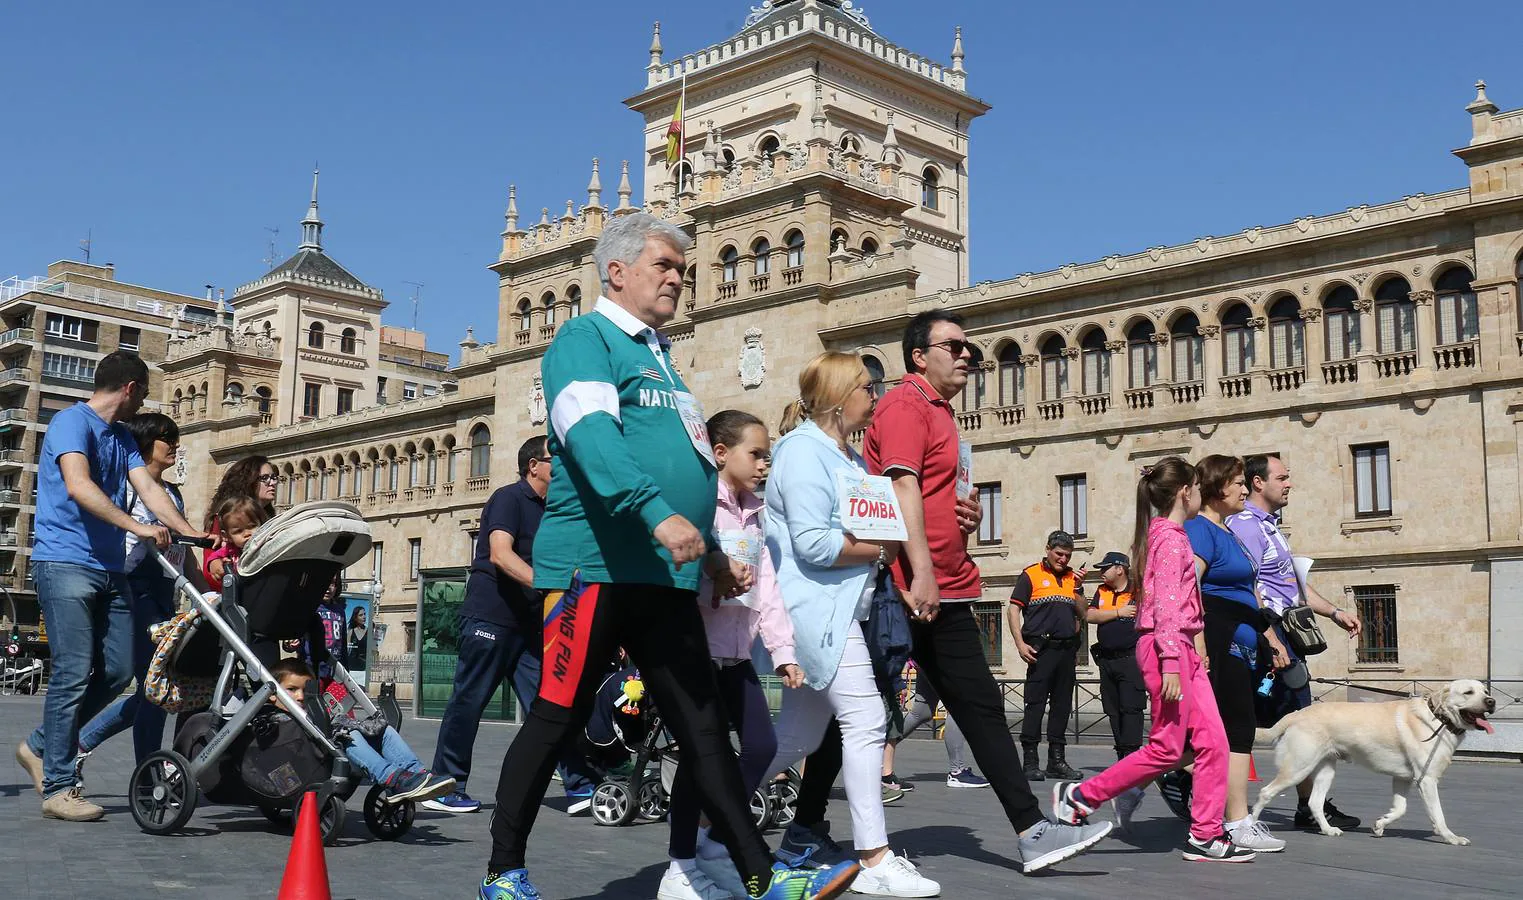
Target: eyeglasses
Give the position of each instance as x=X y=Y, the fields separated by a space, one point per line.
x=543 y=459
x=269 y=479
x=955 y=347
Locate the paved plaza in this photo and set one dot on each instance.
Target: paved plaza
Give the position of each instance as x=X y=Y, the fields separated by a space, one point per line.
x=956 y=836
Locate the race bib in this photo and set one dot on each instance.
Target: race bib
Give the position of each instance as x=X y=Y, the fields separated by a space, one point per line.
x=697 y=429
x=964 y=469
x=746 y=548
x=868 y=508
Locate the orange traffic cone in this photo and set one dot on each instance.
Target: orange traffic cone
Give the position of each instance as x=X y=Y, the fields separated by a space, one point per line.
x=1253 y=774
x=306 y=875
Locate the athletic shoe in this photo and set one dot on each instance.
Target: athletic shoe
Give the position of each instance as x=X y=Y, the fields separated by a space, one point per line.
x=1254 y=836
x=1048 y=843
x=722 y=872
x=806 y=846
x=893 y=876
x=580 y=802
x=694 y=885
x=892 y=781
x=891 y=794
x=32 y=763
x=1125 y=806
x=1068 y=805
x=418 y=787
x=1335 y=817
x=71 y=806
x=965 y=778
x=512 y=885
x=809 y=884
x=1217 y=849
x=456 y=801
x=1175 y=788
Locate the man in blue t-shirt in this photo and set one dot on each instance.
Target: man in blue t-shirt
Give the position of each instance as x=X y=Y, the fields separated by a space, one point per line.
x=501 y=623
x=88 y=460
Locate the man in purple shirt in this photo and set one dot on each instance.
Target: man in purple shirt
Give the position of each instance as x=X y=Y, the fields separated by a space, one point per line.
x=1280 y=590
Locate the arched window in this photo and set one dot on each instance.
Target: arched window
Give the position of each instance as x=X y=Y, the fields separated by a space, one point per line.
x=525 y=314
x=574 y=300
x=838 y=240
x=322 y=480
x=430 y=464
x=850 y=143
x=1395 y=317
x=1142 y=354
x=393 y=469
x=548 y=302
x=414 y=465
x=1012 y=376
x=449 y=458
x=340 y=471
x=795 y=242
x=1189 y=349
x=315 y=335
x=869 y=247
x=375 y=473
x=684 y=176
x=1342 y=322
x=1054 y=369
x=1096 y=363
x=1457 y=322
x=930 y=188
x=346 y=341
x=233 y=392
x=876 y=373
x=1287 y=334
x=263 y=393
x=727 y=264
x=481 y=452
x=290 y=482
x=727 y=159
x=1237 y=341
x=976 y=391
x=768 y=147
x=763 y=251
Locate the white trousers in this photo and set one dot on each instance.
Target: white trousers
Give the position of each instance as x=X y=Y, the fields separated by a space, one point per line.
x=852 y=699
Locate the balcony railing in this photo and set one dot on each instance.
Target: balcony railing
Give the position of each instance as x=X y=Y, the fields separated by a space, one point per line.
x=15 y=373
x=1455 y=356
x=478 y=484
x=14 y=415
x=10 y=498
x=1340 y=371
x=1396 y=365
x=521 y=338
x=546 y=332
x=792 y=277
x=1050 y=410
x=1010 y=415
x=1188 y=392
x=1139 y=398
x=1094 y=404
x=8 y=539
x=12 y=458
x=726 y=290
x=1234 y=386
x=760 y=283
x=970 y=421
x=1287 y=379
x=17 y=335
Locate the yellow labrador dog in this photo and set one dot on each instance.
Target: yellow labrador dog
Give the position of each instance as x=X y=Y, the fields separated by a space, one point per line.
x=1410 y=740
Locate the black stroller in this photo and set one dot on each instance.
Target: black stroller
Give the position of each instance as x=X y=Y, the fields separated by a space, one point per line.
x=254 y=745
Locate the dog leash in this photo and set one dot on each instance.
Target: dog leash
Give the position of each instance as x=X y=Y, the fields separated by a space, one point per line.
x=1374 y=690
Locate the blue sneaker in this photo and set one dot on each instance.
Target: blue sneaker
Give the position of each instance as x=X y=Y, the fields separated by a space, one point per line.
x=453 y=802
x=579 y=802
x=513 y=885
x=965 y=778
x=809 y=884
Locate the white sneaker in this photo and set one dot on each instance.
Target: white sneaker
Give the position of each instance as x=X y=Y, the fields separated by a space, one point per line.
x=894 y=876
x=1254 y=836
x=692 y=885
x=1125 y=806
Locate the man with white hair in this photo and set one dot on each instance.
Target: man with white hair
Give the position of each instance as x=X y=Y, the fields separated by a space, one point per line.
x=626 y=529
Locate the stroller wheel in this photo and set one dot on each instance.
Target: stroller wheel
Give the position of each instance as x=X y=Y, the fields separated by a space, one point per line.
x=613 y=803
x=163 y=793
x=331 y=817
x=653 y=801
x=386 y=820
x=785 y=795
x=761 y=808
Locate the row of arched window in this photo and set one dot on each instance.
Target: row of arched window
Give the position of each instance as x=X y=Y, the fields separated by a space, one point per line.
x=191 y=398
x=385 y=470
x=761 y=256
x=317 y=338
x=549 y=308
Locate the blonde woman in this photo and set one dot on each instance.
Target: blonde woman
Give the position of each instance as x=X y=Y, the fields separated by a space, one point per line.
x=826 y=577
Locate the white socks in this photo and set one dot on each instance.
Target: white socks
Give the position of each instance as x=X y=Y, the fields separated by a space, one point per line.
x=1233 y=826
x=688 y=867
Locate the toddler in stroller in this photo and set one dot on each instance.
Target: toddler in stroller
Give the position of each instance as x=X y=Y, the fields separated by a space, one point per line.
x=239 y=751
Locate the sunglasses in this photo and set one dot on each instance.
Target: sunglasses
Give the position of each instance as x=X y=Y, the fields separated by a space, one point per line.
x=269 y=479
x=956 y=348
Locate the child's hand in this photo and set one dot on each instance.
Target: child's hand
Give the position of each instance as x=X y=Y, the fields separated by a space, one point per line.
x=792 y=675
x=1171 y=692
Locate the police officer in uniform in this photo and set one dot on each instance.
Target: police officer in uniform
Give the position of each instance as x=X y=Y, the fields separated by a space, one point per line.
x=1044 y=614
x=1114 y=616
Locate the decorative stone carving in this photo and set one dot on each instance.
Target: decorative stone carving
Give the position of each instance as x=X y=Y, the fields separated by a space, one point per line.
x=1069 y=328
x=753 y=359
x=1070 y=353
x=1115 y=346
x=1158 y=314
x=1421 y=298
x=1024 y=279
x=1417 y=270
x=1067 y=271
x=1209 y=331
x=1257 y=322
x=1203 y=244
x=182 y=465
x=1364 y=304
x=1160 y=337
x=1361 y=277
x=1311 y=314
x=1305 y=290
x=1156 y=253
x=1112 y=261
x=1030 y=359
x=1255 y=295
x=1303 y=224
x=1414 y=202
x=1252 y=234
x=537 y=411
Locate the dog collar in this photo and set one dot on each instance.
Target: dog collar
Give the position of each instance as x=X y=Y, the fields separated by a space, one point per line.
x=1444 y=719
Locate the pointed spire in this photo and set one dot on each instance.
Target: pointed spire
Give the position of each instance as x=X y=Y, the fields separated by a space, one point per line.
x=957 y=54
x=312 y=226
x=817 y=117
x=625 y=191
x=595 y=188
x=570 y=211
x=512 y=213
x=544 y=217
x=1481 y=103
x=655 y=46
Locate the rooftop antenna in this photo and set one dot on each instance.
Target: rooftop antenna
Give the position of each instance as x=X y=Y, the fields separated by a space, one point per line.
x=269 y=259
x=417 y=295
x=85 y=244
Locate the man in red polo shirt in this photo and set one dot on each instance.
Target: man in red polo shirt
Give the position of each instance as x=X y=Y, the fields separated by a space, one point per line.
x=913 y=440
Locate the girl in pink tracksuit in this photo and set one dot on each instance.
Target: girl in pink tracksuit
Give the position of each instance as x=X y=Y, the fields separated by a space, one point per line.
x=1171 y=655
x=742 y=451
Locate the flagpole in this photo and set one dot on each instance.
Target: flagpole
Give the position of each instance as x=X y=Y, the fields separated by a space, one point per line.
x=682 y=130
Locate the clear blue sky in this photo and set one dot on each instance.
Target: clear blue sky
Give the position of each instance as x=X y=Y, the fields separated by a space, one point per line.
x=179 y=131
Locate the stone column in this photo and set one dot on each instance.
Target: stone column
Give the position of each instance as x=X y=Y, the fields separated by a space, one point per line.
x=1258 y=367
x=1426 y=328
x=1117 y=351
x=1075 y=379
x=1033 y=363
x=1313 y=342
x=1211 y=358
x=1369 y=340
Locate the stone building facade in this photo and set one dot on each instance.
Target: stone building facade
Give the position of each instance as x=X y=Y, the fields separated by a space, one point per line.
x=1378 y=350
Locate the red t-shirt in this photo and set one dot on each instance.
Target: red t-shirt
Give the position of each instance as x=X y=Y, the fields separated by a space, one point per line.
x=914 y=429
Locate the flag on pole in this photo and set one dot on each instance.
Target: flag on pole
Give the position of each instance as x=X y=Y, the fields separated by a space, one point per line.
x=675 y=148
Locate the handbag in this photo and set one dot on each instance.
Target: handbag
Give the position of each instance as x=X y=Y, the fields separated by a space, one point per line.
x=1301 y=629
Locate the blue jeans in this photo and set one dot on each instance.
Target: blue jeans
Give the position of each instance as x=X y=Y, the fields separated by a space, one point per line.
x=153 y=601
x=393 y=756
x=89 y=618
x=489 y=653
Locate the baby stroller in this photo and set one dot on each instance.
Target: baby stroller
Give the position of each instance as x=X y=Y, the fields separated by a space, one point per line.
x=268 y=750
x=625 y=723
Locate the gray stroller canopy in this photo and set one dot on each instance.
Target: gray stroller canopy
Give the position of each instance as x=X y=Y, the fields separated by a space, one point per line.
x=317 y=531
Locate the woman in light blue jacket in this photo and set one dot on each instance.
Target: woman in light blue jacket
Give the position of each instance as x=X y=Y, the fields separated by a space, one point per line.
x=826 y=579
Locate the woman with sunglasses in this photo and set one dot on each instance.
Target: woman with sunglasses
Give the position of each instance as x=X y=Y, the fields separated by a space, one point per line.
x=152 y=596
x=253 y=476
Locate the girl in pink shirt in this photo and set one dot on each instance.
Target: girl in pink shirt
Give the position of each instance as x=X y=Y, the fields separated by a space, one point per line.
x=1171 y=655
x=742 y=451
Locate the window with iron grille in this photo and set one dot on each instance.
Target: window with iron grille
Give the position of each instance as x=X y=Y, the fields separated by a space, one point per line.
x=990 y=616
x=1376 y=605
x=990 y=529
x=414 y=558
x=311 y=400
x=377 y=561
x=1074 y=500
x=1372 y=480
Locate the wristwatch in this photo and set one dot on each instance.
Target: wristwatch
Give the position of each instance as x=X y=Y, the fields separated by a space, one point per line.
x=882 y=556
